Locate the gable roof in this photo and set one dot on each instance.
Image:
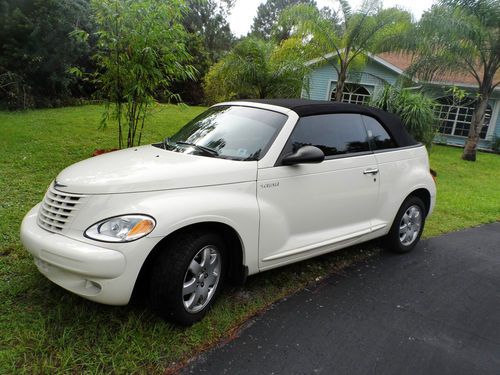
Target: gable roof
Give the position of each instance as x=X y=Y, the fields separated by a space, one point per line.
x=403 y=62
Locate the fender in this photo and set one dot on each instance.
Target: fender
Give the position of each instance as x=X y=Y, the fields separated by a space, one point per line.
x=232 y=204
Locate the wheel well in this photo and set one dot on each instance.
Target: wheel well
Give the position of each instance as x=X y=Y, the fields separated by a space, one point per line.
x=424 y=196
x=236 y=271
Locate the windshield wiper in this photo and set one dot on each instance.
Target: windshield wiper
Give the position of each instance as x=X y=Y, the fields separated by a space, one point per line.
x=167 y=142
x=205 y=149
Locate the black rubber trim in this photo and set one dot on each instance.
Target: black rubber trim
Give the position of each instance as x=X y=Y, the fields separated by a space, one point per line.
x=353 y=154
x=397 y=148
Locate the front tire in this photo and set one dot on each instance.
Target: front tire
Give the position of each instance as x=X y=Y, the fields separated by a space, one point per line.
x=187 y=277
x=407 y=227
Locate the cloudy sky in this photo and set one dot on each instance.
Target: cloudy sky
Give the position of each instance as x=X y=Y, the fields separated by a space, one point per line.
x=243 y=12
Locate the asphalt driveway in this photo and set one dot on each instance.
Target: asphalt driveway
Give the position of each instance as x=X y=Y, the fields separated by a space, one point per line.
x=433 y=311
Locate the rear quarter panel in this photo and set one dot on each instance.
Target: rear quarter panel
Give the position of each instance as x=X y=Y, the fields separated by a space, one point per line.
x=402 y=171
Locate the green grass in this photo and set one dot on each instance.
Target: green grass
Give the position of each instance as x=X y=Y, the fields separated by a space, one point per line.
x=468 y=193
x=44 y=329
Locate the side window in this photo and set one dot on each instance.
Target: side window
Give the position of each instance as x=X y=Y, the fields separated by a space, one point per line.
x=334 y=134
x=379 y=138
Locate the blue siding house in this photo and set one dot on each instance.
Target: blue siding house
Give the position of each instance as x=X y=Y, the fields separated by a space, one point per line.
x=455 y=118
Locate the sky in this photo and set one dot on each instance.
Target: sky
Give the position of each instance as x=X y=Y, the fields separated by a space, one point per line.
x=242 y=14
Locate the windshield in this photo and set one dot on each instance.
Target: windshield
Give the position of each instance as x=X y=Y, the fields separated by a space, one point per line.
x=229 y=132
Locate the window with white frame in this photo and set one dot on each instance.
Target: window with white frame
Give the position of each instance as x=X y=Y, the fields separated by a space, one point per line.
x=455 y=118
x=353 y=93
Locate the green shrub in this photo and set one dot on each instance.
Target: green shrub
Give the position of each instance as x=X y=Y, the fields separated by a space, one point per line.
x=140 y=51
x=495 y=144
x=257 y=68
x=415 y=109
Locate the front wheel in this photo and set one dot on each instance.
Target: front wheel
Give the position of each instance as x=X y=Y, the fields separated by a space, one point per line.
x=187 y=277
x=407 y=227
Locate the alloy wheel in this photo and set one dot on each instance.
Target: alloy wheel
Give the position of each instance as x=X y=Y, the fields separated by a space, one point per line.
x=201 y=279
x=410 y=225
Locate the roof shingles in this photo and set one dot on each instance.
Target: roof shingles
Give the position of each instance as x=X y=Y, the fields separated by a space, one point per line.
x=403 y=61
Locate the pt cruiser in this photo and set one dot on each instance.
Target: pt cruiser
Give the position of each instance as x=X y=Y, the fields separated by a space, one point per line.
x=245 y=187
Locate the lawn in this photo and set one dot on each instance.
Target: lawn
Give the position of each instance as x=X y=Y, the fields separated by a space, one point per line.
x=468 y=193
x=44 y=329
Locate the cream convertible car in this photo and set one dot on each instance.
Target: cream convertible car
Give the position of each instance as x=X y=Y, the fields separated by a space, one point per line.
x=244 y=187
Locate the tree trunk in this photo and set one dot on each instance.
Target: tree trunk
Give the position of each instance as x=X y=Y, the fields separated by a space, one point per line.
x=262 y=92
x=339 y=88
x=476 y=125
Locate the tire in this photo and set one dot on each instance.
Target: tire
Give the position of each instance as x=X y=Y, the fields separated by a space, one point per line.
x=187 y=277
x=407 y=227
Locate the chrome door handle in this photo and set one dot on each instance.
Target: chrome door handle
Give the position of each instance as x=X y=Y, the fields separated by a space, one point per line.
x=370 y=171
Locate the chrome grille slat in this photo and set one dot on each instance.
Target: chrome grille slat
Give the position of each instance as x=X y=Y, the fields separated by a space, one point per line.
x=63 y=197
x=58 y=209
x=57 y=199
x=51 y=223
x=62 y=220
x=57 y=192
x=48 y=209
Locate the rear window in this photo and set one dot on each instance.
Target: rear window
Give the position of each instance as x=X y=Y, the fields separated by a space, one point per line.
x=378 y=137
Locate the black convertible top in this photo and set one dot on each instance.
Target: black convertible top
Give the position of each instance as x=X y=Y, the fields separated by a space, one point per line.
x=305 y=107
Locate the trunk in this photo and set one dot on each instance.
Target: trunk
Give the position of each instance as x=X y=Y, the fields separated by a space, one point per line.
x=476 y=125
x=262 y=93
x=339 y=88
x=120 y=134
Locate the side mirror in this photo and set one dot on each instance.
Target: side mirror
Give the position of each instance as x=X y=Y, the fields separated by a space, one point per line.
x=304 y=155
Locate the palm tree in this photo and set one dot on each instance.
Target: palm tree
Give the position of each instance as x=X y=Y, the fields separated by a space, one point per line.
x=344 y=39
x=256 y=68
x=415 y=109
x=461 y=36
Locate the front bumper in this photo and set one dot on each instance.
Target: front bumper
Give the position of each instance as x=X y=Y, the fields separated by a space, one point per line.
x=93 y=272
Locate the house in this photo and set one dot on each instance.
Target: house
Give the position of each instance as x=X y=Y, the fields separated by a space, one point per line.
x=387 y=68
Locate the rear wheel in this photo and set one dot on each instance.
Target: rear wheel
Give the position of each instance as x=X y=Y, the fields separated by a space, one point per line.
x=407 y=226
x=187 y=277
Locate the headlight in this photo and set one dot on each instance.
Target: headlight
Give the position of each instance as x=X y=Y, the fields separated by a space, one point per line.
x=121 y=228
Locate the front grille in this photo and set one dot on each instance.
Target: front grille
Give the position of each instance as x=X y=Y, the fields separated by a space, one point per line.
x=58 y=209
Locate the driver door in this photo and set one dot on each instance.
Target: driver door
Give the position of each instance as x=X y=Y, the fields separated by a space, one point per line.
x=308 y=209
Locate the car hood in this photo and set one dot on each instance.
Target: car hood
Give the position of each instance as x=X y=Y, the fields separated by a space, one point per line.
x=148 y=168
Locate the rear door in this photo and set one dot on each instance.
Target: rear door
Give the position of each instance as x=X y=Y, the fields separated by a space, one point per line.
x=308 y=209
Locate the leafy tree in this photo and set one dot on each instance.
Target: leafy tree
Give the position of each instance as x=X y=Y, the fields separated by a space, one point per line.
x=461 y=36
x=208 y=20
x=215 y=85
x=190 y=89
x=267 y=17
x=258 y=69
x=415 y=109
x=140 y=50
x=209 y=39
x=36 y=50
x=348 y=35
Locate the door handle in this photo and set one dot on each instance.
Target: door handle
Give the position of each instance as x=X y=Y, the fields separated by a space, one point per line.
x=370 y=171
